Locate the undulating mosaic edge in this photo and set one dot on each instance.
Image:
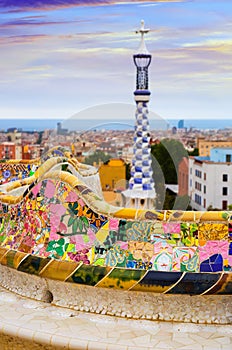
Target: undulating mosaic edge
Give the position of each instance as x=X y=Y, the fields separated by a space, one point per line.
x=62 y=243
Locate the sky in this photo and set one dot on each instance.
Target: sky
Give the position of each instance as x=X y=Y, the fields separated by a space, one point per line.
x=60 y=57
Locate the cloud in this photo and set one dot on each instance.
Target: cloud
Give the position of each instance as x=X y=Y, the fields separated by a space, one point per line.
x=17 y=6
x=223 y=44
x=31 y=22
x=22 y=39
x=36 y=21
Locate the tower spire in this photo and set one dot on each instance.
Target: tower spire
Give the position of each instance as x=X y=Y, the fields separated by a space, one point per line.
x=142 y=31
x=141 y=192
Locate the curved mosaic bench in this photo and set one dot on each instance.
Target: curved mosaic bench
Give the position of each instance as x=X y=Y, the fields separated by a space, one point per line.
x=60 y=242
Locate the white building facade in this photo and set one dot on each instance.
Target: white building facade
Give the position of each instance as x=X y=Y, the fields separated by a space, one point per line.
x=210 y=182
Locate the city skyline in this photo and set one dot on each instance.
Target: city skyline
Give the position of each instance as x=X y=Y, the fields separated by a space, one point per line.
x=60 y=59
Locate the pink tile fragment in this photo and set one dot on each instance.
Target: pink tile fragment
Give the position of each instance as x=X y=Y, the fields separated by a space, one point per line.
x=35 y=190
x=50 y=189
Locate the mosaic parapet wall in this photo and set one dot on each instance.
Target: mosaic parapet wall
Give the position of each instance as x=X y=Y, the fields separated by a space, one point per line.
x=16 y=170
x=54 y=226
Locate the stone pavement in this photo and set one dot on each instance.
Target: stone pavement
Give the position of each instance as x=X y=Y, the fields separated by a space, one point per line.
x=28 y=324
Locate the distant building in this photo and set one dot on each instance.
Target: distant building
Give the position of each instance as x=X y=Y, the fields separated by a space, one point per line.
x=112 y=174
x=14 y=136
x=108 y=147
x=204 y=145
x=183 y=177
x=60 y=130
x=221 y=155
x=11 y=130
x=174 y=130
x=8 y=150
x=181 y=124
x=210 y=180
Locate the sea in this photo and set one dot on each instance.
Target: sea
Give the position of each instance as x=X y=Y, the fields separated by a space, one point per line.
x=103 y=124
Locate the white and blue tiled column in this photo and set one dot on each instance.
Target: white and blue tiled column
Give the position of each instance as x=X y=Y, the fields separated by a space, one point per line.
x=141 y=192
x=141 y=170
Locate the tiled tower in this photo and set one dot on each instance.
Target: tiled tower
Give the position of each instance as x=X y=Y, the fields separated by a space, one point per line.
x=141 y=192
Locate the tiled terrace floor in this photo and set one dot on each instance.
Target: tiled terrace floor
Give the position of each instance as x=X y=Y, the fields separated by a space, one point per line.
x=28 y=324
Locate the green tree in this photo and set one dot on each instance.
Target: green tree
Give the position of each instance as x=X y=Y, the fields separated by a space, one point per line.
x=169 y=201
x=40 y=137
x=182 y=203
x=97 y=157
x=211 y=208
x=194 y=153
x=128 y=169
x=176 y=202
x=168 y=153
x=159 y=184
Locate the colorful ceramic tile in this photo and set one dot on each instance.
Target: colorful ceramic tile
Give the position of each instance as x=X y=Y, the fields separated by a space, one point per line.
x=143 y=251
x=224 y=285
x=131 y=263
x=59 y=270
x=94 y=219
x=213 y=232
x=111 y=239
x=174 y=239
x=56 y=248
x=213 y=256
x=13 y=239
x=71 y=197
x=26 y=244
x=162 y=258
x=33 y=264
x=99 y=255
x=89 y=275
x=230 y=248
x=57 y=209
x=91 y=236
x=122 y=278
x=13 y=258
x=123 y=245
x=163 y=262
x=230 y=231
x=157 y=232
x=195 y=283
x=74 y=225
x=81 y=255
x=171 y=227
x=139 y=231
x=185 y=259
x=189 y=234
x=3 y=251
x=102 y=233
x=113 y=224
x=213 y=264
x=213 y=247
x=122 y=228
x=50 y=189
x=157 y=281
x=35 y=190
x=142 y=265
x=115 y=256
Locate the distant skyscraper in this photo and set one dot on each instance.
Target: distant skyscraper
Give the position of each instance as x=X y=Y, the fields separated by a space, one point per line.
x=60 y=130
x=181 y=124
x=141 y=192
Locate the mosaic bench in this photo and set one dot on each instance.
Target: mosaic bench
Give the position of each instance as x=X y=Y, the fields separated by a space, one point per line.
x=60 y=242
